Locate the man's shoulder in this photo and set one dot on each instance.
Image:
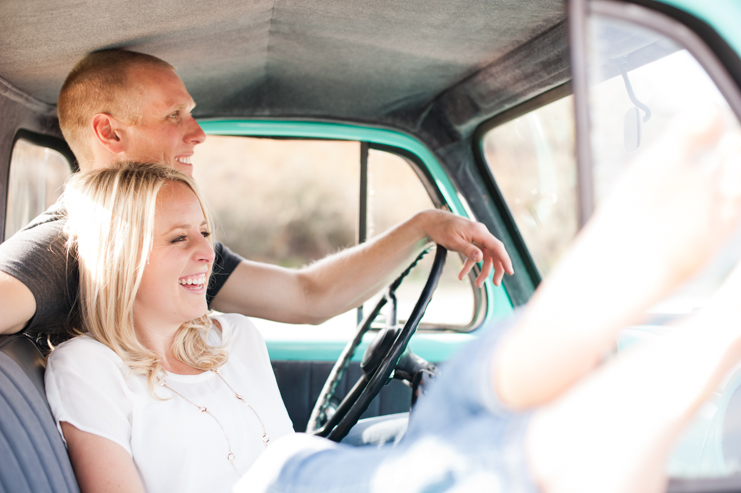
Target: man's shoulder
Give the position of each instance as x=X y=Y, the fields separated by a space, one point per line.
x=55 y=215
x=43 y=239
x=38 y=257
x=225 y=262
x=44 y=230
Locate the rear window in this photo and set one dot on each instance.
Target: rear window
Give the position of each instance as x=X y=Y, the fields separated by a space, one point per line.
x=36 y=181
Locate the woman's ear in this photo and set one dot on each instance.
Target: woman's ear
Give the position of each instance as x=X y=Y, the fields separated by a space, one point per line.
x=107 y=132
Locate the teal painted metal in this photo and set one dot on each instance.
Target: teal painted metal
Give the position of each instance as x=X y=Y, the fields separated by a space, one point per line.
x=434 y=347
x=322 y=130
x=723 y=15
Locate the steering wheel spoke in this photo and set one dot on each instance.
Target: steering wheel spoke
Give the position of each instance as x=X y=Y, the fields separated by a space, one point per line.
x=388 y=348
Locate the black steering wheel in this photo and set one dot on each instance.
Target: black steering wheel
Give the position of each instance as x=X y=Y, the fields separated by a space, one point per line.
x=379 y=361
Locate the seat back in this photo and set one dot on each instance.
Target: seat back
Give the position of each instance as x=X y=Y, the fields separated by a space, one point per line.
x=32 y=453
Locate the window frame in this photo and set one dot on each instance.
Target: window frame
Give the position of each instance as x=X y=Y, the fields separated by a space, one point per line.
x=490 y=182
x=428 y=182
x=722 y=65
x=491 y=303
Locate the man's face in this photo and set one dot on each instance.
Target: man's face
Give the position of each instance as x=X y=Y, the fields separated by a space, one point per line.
x=166 y=132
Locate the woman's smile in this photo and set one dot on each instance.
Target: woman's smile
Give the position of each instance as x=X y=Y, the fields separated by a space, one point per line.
x=173 y=285
x=195 y=283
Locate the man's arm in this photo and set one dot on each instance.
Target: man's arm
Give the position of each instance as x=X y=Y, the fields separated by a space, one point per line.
x=343 y=281
x=17 y=304
x=38 y=281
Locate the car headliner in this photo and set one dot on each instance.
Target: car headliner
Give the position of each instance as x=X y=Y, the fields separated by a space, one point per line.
x=433 y=68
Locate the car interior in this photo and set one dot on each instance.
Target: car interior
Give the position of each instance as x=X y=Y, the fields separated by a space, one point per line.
x=467 y=105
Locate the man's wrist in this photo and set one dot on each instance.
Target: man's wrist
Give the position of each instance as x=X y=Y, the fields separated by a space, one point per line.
x=424 y=221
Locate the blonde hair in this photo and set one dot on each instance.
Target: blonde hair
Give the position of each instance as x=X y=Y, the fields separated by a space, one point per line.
x=110 y=224
x=99 y=83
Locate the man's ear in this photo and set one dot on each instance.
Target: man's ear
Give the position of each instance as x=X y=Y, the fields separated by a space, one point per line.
x=107 y=132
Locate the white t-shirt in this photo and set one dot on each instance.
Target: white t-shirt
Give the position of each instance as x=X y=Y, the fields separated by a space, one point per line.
x=175 y=447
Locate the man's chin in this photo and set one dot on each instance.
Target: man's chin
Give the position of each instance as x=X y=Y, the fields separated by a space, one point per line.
x=184 y=168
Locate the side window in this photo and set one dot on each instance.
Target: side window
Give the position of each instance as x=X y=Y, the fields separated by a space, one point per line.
x=292 y=202
x=395 y=194
x=532 y=160
x=37 y=176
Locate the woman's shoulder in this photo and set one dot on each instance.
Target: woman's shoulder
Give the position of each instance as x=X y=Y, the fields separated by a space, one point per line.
x=82 y=351
x=83 y=343
x=240 y=334
x=236 y=326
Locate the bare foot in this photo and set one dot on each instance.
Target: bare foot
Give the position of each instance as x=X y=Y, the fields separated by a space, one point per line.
x=679 y=201
x=671 y=210
x=614 y=429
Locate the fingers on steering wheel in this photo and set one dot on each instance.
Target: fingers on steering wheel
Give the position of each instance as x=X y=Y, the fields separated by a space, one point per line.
x=489 y=263
x=486 y=268
x=498 y=272
x=499 y=253
x=467 y=266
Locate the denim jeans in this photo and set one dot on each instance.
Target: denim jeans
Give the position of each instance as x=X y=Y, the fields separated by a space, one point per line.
x=459 y=439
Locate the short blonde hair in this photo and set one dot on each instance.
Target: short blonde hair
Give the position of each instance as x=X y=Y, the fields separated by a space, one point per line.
x=99 y=83
x=110 y=226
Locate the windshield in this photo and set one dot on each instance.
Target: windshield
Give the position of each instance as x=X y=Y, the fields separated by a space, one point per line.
x=640 y=82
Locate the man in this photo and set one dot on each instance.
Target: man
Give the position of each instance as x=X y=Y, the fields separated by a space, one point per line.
x=124 y=106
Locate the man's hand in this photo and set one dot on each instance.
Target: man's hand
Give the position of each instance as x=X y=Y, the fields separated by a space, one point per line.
x=472 y=240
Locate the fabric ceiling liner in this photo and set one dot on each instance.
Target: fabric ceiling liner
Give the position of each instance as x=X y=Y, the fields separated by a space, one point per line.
x=435 y=68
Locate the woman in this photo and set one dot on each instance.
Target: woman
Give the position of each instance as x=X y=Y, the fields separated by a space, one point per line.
x=527 y=408
x=156 y=395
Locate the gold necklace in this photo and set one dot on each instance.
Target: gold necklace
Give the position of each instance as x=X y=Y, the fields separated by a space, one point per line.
x=230 y=456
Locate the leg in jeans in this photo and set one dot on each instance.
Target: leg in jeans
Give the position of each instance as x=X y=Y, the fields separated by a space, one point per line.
x=460 y=438
x=611 y=428
x=593 y=430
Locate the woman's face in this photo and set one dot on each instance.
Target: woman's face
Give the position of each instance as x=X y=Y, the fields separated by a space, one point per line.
x=173 y=286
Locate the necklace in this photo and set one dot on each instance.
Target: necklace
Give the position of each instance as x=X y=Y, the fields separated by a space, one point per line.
x=230 y=456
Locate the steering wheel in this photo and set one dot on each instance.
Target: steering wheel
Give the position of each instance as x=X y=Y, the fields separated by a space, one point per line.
x=379 y=361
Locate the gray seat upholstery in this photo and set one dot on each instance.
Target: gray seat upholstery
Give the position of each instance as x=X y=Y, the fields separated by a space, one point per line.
x=32 y=454
x=33 y=457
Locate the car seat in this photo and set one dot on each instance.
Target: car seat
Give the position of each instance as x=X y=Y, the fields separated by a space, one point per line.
x=33 y=456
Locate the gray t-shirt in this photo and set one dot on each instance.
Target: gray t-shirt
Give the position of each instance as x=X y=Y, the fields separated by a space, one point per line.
x=37 y=256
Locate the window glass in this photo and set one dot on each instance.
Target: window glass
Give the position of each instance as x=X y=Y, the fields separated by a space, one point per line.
x=395 y=194
x=666 y=81
x=37 y=176
x=292 y=202
x=532 y=160
x=284 y=202
x=640 y=83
